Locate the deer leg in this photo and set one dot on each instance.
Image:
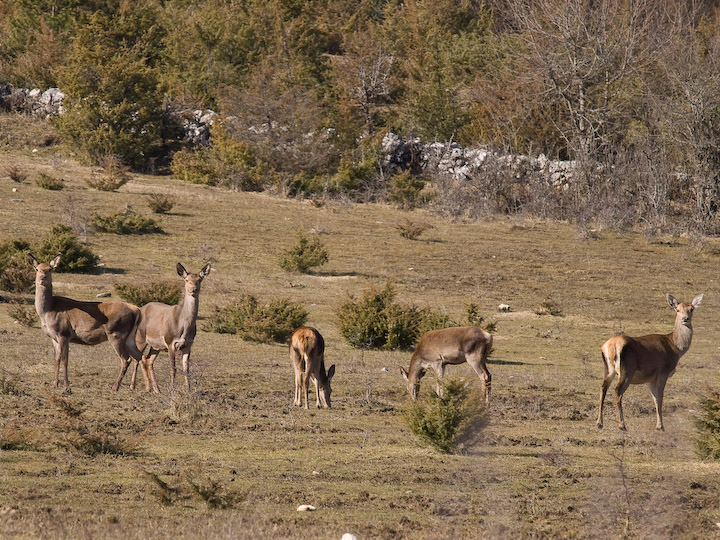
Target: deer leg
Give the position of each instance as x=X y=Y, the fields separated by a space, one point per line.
x=657 y=389
x=607 y=381
x=62 y=351
x=439 y=373
x=304 y=390
x=133 y=376
x=317 y=393
x=149 y=370
x=186 y=367
x=171 y=356
x=121 y=348
x=478 y=365
x=622 y=385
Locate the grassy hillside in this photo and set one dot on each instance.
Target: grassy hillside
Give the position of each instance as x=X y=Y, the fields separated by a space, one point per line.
x=541 y=468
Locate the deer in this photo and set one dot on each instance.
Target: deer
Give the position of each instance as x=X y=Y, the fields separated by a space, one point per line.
x=67 y=321
x=449 y=346
x=307 y=354
x=169 y=328
x=650 y=359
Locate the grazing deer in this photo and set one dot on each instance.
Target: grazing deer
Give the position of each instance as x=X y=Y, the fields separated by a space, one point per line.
x=88 y=323
x=169 y=328
x=438 y=348
x=648 y=359
x=307 y=353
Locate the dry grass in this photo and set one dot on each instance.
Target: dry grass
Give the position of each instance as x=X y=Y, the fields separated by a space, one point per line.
x=539 y=470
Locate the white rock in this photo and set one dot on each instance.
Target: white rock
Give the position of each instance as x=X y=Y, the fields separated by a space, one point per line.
x=503 y=308
x=306 y=508
x=348 y=536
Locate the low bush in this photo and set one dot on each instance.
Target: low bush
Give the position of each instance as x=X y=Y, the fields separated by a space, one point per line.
x=307 y=253
x=75 y=256
x=15 y=273
x=445 y=422
x=374 y=321
x=114 y=175
x=159 y=203
x=253 y=321
x=157 y=291
x=227 y=162
x=406 y=190
x=47 y=181
x=707 y=424
x=24 y=314
x=125 y=222
x=412 y=229
x=16 y=174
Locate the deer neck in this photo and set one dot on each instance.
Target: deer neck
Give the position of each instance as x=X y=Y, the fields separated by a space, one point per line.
x=189 y=310
x=43 y=298
x=682 y=336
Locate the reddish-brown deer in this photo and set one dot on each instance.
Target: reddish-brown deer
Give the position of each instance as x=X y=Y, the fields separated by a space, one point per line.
x=88 y=323
x=171 y=329
x=307 y=353
x=650 y=359
x=439 y=348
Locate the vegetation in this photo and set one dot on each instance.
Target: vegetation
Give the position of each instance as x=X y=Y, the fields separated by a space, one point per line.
x=125 y=222
x=445 y=421
x=412 y=229
x=166 y=292
x=375 y=321
x=707 y=424
x=114 y=175
x=307 y=253
x=47 y=181
x=24 y=314
x=159 y=203
x=253 y=321
x=76 y=257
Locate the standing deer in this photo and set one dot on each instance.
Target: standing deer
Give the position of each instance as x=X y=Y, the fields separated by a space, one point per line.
x=307 y=353
x=438 y=348
x=88 y=323
x=169 y=328
x=648 y=359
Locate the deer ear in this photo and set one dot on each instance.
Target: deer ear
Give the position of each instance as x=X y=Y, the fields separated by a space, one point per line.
x=56 y=261
x=32 y=260
x=671 y=300
x=696 y=301
x=181 y=270
x=205 y=271
x=404 y=373
x=331 y=372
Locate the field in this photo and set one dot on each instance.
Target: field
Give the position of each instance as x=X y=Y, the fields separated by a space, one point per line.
x=234 y=458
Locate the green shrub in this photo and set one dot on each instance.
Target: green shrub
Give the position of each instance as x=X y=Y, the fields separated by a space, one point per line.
x=475 y=319
x=252 y=321
x=374 y=321
x=114 y=175
x=157 y=291
x=406 y=190
x=75 y=256
x=159 y=203
x=227 y=162
x=412 y=229
x=306 y=254
x=15 y=273
x=23 y=313
x=47 y=181
x=445 y=422
x=125 y=222
x=708 y=425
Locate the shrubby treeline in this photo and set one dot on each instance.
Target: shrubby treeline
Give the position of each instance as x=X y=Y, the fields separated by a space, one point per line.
x=306 y=91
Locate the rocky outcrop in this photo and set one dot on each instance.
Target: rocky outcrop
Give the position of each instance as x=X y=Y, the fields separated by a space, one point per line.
x=31 y=101
x=464 y=163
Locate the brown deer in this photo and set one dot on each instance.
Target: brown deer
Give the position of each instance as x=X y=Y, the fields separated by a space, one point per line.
x=438 y=348
x=88 y=323
x=307 y=353
x=650 y=359
x=171 y=329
